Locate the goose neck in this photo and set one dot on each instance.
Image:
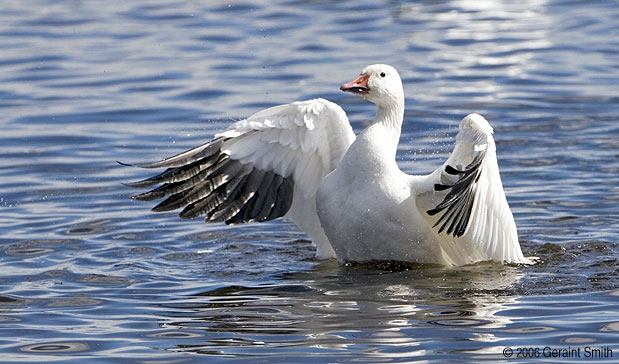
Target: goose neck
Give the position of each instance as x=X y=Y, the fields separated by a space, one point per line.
x=391 y=118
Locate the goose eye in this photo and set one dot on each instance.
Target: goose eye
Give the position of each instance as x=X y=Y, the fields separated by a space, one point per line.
x=382 y=74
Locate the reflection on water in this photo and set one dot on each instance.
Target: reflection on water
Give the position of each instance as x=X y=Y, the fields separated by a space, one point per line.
x=89 y=275
x=343 y=310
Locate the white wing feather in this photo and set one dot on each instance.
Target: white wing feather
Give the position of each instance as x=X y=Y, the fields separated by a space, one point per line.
x=464 y=201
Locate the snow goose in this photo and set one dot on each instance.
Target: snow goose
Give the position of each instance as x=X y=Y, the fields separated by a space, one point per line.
x=301 y=161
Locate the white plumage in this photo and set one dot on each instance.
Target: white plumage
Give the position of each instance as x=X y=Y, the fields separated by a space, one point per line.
x=490 y=232
x=303 y=162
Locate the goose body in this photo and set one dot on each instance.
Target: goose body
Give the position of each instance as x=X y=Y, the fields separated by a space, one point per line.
x=302 y=161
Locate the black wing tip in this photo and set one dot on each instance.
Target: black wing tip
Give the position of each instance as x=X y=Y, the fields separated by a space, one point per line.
x=146 y=196
x=263 y=197
x=457 y=205
x=457 y=234
x=441 y=187
x=451 y=170
x=137 y=184
x=171 y=203
x=146 y=165
x=153 y=165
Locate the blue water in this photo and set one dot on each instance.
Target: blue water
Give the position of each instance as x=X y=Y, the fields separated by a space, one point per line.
x=88 y=275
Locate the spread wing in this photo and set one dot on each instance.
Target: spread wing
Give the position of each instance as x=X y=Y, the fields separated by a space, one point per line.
x=257 y=168
x=465 y=204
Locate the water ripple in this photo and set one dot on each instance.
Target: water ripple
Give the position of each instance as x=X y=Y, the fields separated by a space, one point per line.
x=56 y=348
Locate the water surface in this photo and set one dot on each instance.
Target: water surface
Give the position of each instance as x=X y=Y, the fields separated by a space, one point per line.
x=88 y=275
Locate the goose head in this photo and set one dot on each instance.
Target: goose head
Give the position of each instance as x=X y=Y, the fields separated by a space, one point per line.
x=378 y=83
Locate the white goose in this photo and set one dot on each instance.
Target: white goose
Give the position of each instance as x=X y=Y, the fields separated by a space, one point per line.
x=301 y=161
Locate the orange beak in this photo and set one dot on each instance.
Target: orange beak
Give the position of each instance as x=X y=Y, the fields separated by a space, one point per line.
x=357 y=86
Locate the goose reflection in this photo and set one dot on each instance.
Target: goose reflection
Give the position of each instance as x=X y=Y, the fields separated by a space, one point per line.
x=382 y=311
